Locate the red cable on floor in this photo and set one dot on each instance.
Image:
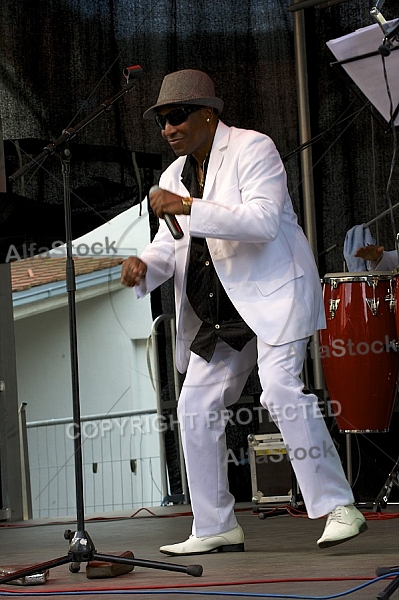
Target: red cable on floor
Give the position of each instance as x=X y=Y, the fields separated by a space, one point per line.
x=199 y=585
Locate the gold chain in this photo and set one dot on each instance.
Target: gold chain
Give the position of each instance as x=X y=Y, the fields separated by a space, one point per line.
x=201 y=175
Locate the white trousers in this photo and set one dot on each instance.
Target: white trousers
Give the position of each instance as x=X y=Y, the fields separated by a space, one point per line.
x=209 y=388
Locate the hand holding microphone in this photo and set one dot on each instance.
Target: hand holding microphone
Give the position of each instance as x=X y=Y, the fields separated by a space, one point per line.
x=170 y=219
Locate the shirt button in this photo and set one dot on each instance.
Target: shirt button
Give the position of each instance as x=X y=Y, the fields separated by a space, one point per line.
x=211 y=295
x=207 y=263
x=217 y=326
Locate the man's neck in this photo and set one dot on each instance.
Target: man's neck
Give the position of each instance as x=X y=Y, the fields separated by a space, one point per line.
x=201 y=154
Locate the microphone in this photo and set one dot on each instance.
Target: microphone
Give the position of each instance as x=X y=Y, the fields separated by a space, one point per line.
x=132 y=72
x=170 y=220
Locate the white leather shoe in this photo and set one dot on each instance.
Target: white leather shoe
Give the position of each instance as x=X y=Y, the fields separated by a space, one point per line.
x=230 y=541
x=343 y=523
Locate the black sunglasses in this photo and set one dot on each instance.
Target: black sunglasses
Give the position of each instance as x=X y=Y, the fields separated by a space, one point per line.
x=175 y=117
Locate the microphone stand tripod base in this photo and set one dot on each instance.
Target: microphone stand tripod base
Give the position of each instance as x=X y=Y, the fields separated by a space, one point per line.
x=81 y=550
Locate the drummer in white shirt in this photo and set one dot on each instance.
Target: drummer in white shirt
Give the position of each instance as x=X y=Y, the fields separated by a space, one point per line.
x=378 y=259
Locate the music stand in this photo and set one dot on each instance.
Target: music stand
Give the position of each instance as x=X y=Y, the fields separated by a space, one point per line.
x=359 y=56
x=81 y=547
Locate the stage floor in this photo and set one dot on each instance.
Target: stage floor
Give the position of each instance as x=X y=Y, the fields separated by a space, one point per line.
x=281 y=556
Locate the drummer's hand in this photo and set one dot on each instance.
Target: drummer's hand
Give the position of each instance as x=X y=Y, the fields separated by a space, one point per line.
x=372 y=252
x=133 y=271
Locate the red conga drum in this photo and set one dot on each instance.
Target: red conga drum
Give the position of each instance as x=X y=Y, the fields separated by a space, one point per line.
x=358 y=349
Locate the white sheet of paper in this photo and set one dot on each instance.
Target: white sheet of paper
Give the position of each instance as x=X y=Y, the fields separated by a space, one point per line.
x=367 y=73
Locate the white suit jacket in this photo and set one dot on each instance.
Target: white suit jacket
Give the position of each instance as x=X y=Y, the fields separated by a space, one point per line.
x=260 y=253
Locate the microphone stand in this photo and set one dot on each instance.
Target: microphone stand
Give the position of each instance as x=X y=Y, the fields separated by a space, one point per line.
x=81 y=547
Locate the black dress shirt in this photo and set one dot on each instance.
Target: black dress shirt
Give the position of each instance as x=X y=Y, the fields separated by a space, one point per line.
x=206 y=294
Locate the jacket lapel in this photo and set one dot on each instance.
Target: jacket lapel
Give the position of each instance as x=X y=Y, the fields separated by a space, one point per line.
x=218 y=149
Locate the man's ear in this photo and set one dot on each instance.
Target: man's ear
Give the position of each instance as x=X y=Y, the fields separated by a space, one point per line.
x=210 y=113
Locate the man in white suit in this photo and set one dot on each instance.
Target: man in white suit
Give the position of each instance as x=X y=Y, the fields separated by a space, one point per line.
x=247 y=291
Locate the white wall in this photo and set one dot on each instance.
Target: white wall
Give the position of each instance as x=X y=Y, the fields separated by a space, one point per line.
x=113 y=372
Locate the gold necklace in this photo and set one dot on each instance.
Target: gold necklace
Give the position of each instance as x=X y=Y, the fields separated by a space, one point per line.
x=200 y=178
x=201 y=174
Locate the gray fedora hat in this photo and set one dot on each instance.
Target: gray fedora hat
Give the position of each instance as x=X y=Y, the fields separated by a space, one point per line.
x=188 y=86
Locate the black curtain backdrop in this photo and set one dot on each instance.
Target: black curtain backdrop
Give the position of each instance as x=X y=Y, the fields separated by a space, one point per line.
x=61 y=58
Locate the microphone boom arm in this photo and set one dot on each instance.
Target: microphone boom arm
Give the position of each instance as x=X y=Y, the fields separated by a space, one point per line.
x=69 y=133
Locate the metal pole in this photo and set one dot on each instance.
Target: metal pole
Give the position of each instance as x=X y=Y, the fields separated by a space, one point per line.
x=304 y=130
x=306 y=162
x=154 y=334
x=162 y=452
x=10 y=472
x=177 y=394
x=349 y=474
x=25 y=471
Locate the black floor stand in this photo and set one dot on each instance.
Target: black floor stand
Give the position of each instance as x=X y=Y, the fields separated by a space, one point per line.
x=296 y=503
x=392 y=586
x=81 y=547
x=379 y=503
x=392 y=480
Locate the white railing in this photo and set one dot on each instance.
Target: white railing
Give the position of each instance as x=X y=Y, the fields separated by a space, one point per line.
x=121 y=463
x=124 y=459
